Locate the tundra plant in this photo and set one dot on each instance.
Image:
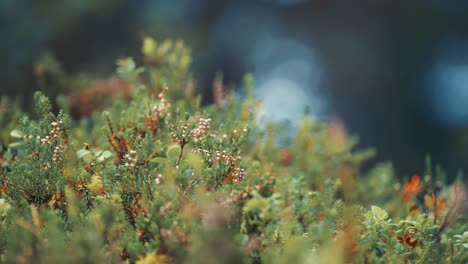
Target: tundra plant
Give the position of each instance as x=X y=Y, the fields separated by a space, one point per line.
x=143 y=173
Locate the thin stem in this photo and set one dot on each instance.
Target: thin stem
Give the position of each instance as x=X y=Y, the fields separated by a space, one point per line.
x=421 y=202
x=182 y=145
x=189 y=187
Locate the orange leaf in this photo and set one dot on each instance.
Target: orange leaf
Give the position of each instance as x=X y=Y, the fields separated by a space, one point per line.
x=411 y=187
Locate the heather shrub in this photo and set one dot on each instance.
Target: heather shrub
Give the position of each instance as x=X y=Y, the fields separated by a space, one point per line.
x=144 y=173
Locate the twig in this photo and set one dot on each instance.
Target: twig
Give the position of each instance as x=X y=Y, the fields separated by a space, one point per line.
x=445 y=223
x=182 y=145
x=189 y=187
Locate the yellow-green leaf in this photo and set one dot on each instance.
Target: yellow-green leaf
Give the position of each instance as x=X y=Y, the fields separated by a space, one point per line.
x=17 y=133
x=173 y=152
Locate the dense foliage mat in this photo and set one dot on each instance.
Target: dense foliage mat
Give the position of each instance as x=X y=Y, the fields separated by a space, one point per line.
x=135 y=169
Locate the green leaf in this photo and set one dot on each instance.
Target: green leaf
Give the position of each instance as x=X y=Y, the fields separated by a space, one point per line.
x=149 y=46
x=16 y=145
x=173 y=152
x=409 y=222
x=379 y=213
x=17 y=133
x=159 y=160
x=369 y=217
x=126 y=68
x=82 y=153
x=104 y=155
x=126 y=65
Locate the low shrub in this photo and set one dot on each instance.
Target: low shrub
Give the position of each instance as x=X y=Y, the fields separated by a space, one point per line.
x=144 y=173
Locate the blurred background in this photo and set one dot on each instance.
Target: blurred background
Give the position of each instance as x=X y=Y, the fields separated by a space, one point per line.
x=395 y=72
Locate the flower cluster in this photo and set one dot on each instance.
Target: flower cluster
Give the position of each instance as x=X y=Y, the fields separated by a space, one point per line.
x=131 y=159
x=200 y=132
x=57 y=151
x=159 y=178
x=54 y=133
x=238 y=174
x=51 y=139
x=219 y=156
x=164 y=105
x=158 y=111
x=223 y=156
x=178 y=135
